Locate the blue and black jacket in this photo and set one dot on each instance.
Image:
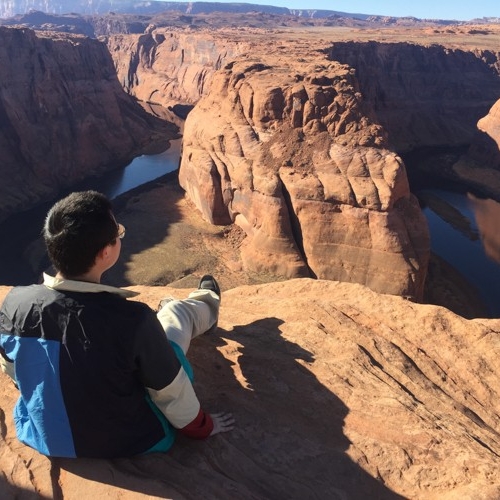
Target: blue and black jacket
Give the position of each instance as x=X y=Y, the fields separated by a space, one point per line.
x=88 y=367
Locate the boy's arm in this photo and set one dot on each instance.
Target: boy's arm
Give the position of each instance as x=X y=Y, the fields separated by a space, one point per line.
x=178 y=402
x=202 y=426
x=168 y=383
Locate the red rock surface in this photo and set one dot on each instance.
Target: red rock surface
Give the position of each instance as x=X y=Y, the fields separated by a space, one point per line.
x=338 y=392
x=170 y=66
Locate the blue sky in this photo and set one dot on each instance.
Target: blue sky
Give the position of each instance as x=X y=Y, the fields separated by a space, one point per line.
x=427 y=9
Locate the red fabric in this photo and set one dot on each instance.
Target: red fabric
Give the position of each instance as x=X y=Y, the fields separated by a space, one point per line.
x=200 y=427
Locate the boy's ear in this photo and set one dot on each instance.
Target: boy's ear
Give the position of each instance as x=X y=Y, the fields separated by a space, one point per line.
x=103 y=253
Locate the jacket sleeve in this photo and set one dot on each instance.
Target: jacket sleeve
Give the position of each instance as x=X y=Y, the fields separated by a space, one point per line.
x=179 y=404
x=168 y=383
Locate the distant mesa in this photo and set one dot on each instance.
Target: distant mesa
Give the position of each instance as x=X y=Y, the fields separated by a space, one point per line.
x=12 y=8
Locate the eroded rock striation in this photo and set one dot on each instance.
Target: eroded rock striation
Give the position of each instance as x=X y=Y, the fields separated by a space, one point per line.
x=63 y=116
x=338 y=392
x=169 y=66
x=290 y=152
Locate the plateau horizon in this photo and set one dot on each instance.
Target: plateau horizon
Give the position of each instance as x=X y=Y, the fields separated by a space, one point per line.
x=425 y=9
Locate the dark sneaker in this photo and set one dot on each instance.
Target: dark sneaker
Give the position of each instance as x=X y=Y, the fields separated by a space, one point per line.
x=208 y=282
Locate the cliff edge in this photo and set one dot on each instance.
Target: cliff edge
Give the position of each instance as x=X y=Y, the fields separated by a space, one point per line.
x=338 y=392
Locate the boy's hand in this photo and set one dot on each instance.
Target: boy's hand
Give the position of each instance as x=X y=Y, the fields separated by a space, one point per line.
x=223 y=422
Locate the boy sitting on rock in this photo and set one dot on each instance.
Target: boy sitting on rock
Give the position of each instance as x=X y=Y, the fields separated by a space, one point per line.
x=99 y=375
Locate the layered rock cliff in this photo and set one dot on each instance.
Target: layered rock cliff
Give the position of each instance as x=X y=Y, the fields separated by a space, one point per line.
x=289 y=151
x=299 y=151
x=423 y=96
x=63 y=116
x=170 y=66
x=338 y=392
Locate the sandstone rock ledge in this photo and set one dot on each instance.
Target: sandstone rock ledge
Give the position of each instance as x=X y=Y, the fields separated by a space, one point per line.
x=338 y=392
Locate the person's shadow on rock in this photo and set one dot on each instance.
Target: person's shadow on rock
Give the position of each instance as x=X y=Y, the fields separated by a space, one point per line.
x=289 y=430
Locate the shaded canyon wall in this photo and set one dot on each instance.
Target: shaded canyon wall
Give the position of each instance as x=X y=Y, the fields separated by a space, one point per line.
x=63 y=116
x=433 y=97
x=423 y=96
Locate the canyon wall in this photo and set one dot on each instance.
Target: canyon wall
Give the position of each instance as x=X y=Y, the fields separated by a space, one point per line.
x=288 y=151
x=423 y=96
x=63 y=116
x=295 y=142
x=169 y=66
x=435 y=96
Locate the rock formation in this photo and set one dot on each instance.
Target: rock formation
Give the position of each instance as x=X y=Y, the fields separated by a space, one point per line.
x=290 y=152
x=338 y=392
x=313 y=150
x=479 y=167
x=269 y=119
x=63 y=116
x=169 y=66
x=423 y=96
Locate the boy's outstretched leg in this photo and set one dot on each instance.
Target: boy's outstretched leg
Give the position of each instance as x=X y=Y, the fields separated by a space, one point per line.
x=185 y=319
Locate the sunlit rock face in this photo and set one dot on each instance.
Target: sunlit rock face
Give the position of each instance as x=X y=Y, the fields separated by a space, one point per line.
x=337 y=391
x=63 y=116
x=290 y=152
x=168 y=66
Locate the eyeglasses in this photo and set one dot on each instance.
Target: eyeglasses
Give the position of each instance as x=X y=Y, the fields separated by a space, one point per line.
x=121 y=231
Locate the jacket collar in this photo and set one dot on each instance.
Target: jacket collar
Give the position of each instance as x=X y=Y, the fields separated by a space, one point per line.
x=84 y=286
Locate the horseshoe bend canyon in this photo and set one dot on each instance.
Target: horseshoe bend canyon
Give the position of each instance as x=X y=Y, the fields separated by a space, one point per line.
x=358 y=364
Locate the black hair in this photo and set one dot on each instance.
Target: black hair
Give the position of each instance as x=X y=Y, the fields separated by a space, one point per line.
x=76 y=229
